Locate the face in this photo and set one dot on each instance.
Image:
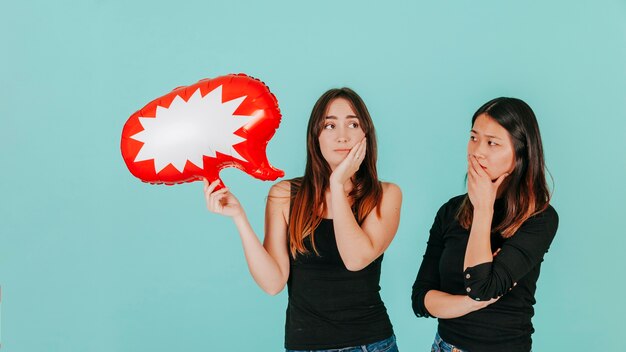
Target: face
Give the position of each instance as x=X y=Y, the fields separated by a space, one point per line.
x=341 y=131
x=491 y=144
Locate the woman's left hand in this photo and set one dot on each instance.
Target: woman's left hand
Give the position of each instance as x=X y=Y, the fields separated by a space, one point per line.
x=481 y=190
x=350 y=164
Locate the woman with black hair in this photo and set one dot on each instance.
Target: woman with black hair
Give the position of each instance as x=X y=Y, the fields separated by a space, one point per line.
x=484 y=253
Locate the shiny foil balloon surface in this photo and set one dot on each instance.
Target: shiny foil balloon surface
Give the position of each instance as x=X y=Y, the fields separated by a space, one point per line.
x=195 y=131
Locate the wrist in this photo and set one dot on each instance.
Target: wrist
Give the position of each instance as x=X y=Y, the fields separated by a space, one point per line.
x=483 y=209
x=335 y=185
x=473 y=304
x=240 y=218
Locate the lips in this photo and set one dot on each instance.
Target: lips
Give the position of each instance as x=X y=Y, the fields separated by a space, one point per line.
x=342 y=150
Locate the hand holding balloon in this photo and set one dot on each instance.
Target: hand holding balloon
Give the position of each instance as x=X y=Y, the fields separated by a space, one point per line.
x=221 y=201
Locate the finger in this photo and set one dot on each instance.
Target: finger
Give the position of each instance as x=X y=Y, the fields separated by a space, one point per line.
x=217 y=194
x=215 y=205
x=493 y=300
x=501 y=179
x=471 y=180
x=476 y=166
x=363 y=148
x=470 y=163
x=212 y=186
x=479 y=169
x=471 y=170
x=220 y=192
x=353 y=150
x=362 y=142
x=471 y=174
x=359 y=154
x=217 y=201
x=496 y=252
x=209 y=202
x=211 y=199
x=357 y=148
x=206 y=184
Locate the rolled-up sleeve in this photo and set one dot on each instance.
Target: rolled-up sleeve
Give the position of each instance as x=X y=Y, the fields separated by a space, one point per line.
x=518 y=256
x=428 y=274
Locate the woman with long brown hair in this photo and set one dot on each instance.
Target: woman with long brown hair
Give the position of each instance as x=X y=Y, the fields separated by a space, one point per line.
x=484 y=253
x=325 y=234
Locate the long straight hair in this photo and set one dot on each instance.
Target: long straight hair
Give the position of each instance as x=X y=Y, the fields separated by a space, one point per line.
x=308 y=192
x=526 y=191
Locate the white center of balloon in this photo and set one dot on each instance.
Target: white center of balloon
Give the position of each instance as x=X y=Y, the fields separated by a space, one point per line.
x=189 y=130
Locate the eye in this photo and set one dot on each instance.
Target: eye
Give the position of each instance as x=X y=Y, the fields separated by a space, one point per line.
x=473 y=138
x=329 y=126
x=353 y=125
x=492 y=143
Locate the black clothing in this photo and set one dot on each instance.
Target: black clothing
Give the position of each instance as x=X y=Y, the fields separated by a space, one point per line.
x=330 y=306
x=506 y=324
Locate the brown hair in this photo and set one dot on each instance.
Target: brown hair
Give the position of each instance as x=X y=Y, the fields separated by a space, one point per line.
x=308 y=200
x=526 y=192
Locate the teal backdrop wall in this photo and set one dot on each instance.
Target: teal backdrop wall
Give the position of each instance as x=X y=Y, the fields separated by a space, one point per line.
x=92 y=259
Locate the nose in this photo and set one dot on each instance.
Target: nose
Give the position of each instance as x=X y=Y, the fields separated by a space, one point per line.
x=342 y=135
x=478 y=154
x=477 y=150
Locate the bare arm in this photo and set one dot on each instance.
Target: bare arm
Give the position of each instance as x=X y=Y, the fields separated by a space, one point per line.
x=361 y=245
x=446 y=306
x=268 y=262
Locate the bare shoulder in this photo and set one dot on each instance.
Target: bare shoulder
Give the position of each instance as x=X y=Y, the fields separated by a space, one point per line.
x=391 y=190
x=392 y=197
x=281 y=189
x=388 y=211
x=280 y=193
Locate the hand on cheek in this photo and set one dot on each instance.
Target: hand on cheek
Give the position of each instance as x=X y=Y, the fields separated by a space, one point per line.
x=350 y=165
x=481 y=189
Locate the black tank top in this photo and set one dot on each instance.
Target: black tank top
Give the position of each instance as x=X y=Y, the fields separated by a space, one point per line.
x=330 y=306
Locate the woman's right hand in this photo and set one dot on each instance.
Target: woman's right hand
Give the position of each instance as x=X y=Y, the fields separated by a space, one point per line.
x=478 y=305
x=482 y=191
x=222 y=201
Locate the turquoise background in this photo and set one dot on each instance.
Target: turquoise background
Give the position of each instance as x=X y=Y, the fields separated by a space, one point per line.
x=91 y=259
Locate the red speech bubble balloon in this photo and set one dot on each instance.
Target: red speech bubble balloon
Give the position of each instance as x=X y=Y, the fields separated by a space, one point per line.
x=195 y=131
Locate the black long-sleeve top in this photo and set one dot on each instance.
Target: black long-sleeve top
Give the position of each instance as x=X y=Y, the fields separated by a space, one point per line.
x=506 y=324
